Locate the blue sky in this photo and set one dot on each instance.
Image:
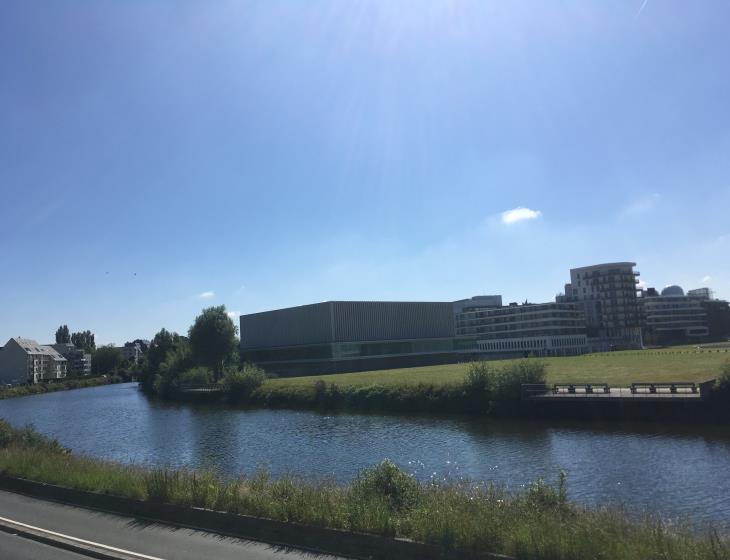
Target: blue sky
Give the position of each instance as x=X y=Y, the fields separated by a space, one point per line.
x=158 y=157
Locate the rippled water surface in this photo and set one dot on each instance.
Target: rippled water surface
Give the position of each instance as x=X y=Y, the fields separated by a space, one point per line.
x=676 y=471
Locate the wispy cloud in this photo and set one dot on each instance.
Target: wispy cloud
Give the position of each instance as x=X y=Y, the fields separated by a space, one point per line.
x=641 y=205
x=206 y=295
x=519 y=214
x=706 y=279
x=641 y=9
x=233 y=314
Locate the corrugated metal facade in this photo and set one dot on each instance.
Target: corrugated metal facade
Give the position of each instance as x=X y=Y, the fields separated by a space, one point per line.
x=347 y=321
x=307 y=324
x=356 y=321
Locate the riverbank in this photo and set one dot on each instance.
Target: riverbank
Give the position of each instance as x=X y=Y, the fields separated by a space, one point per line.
x=538 y=522
x=496 y=388
x=66 y=385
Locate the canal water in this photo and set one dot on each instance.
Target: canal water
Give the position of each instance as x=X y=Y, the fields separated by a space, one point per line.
x=677 y=472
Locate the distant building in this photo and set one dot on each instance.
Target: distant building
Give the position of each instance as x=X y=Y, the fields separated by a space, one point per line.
x=132 y=352
x=673 y=317
x=23 y=360
x=78 y=361
x=607 y=293
x=539 y=329
x=350 y=336
x=700 y=293
x=718 y=318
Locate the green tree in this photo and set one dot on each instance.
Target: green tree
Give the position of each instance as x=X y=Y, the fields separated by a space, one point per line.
x=107 y=360
x=162 y=343
x=213 y=339
x=84 y=340
x=63 y=336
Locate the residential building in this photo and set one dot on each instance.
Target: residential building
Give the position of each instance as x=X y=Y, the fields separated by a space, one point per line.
x=351 y=336
x=132 y=352
x=608 y=294
x=539 y=329
x=78 y=361
x=23 y=360
x=672 y=317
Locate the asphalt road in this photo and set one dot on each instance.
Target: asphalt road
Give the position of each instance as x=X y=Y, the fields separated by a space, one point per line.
x=162 y=541
x=13 y=547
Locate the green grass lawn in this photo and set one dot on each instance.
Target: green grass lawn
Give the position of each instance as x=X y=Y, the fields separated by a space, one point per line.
x=615 y=368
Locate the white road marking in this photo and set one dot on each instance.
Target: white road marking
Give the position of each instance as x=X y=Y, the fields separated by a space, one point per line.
x=81 y=541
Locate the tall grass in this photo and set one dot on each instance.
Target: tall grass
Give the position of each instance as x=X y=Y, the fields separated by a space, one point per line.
x=538 y=522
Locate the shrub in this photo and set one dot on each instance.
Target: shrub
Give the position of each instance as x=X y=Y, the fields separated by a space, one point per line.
x=478 y=384
x=240 y=383
x=508 y=381
x=723 y=380
x=195 y=376
x=387 y=482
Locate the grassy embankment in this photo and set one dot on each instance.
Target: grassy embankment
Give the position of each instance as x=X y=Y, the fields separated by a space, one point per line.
x=538 y=522
x=441 y=387
x=68 y=384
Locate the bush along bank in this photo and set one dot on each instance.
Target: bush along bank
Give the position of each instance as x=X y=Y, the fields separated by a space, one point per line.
x=462 y=519
x=485 y=389
x=65 y=385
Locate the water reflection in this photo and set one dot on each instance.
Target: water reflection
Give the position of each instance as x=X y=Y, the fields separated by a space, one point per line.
x=673 y=469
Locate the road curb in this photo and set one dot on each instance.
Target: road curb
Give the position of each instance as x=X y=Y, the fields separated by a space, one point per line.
x=315 y=539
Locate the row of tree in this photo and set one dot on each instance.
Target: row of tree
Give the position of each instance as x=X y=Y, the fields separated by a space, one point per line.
x=206 y=354
x=83 y=340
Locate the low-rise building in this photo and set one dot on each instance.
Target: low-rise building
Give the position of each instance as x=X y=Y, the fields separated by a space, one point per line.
x=23 y=360
x=338 y=336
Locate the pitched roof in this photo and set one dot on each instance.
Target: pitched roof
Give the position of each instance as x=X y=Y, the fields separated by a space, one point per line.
x=32 y=347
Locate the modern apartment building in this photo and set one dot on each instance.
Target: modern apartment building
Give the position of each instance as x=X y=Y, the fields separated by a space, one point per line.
x=77 y=360
x=539 y=329
x=672 y=317
x=23 y=360
x=350 y=336
x=608 y=294
x=701 y=293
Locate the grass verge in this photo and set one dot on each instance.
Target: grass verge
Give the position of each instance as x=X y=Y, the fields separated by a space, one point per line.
x=539 y=522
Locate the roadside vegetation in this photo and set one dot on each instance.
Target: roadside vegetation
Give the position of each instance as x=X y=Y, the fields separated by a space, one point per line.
x=470 y=518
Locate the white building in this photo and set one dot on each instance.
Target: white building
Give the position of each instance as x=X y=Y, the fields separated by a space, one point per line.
x=23 y=360
x=539 y=329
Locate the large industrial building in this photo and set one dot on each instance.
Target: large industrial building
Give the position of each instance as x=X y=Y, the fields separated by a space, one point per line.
x=350 y=336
